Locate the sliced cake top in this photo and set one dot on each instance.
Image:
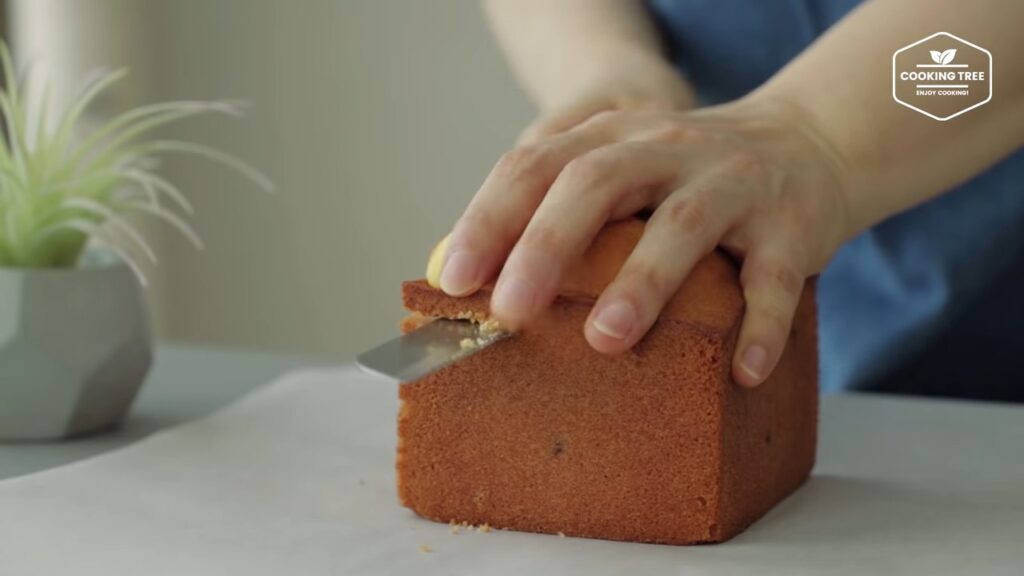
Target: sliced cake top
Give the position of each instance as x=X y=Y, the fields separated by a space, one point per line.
x=711 y=295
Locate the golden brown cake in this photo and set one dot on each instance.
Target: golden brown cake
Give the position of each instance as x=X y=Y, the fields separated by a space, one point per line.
x=541 y=433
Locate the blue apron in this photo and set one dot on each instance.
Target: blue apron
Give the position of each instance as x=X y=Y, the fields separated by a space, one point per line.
x=928 y=302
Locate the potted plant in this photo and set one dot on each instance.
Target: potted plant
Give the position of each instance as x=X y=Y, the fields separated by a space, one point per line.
x=75 y=342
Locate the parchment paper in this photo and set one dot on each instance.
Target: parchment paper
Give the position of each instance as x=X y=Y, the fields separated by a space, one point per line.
x=298 y=479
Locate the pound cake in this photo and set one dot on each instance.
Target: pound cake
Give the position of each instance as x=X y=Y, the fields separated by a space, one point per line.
x=541 y=433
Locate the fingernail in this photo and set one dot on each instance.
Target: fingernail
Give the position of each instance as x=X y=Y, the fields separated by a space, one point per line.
x=754 y=361
x=616 y=320
x=460 y=273
x=514 y=297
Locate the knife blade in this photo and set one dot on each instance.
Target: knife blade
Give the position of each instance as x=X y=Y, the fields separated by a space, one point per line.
x=427 y=349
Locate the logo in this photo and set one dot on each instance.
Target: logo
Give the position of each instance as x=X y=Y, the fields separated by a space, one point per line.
x=942 y=76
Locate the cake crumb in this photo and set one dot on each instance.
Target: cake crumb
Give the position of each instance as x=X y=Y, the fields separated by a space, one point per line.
x=485 y=528
x=561 y=534
x=489 y=326
x=488 y=331
x=453 y=527
x=425 y=549
x=475 y=317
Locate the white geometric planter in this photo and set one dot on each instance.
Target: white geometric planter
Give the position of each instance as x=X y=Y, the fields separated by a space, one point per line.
x=75 y=347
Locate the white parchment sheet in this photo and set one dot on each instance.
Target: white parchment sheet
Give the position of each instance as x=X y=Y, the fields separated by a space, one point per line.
x=298 y=479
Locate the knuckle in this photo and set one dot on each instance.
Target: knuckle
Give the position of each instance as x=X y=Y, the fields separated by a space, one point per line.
x=801 y=219
x=606 y=121
x=697 y=137
x=689 y=214
x=787 y=279
x=749 y=164
x=609 y=116
x=544 y=240
x=672 y=133
x=523 y=163
x=778 y=278
x=646 y=280
x=474 y=220
x=589 y=170
x=531 y=135
x=776 y=318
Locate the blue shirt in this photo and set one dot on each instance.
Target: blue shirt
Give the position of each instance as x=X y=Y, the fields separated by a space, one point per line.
x=931 y=301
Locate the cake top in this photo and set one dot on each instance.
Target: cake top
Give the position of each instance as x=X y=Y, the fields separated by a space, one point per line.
x=710 y=296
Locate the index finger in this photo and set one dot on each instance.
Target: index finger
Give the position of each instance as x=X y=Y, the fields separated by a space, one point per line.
x=501 y=209
x=615 y=180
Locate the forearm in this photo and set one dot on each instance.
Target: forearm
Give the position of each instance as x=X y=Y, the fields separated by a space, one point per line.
x=892 y=157
x=563 y=48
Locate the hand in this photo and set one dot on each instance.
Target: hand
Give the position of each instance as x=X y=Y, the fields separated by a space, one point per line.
x=753 y=177
x=630 y=83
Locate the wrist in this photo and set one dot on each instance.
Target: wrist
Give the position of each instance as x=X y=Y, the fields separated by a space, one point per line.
x=626 y=77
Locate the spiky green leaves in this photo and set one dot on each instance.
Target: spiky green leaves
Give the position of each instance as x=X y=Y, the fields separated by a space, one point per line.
x=58 y=187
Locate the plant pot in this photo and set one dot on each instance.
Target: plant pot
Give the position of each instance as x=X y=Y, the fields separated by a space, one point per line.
x=75 y=347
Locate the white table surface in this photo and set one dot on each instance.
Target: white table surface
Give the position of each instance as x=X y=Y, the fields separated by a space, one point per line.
x=186 y=382
x=298 y=478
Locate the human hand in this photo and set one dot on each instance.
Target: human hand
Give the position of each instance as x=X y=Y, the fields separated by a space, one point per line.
x=637 y=83
x=753 y=177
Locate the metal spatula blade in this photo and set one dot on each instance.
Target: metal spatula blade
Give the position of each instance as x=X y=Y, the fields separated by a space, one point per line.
x=427 y=349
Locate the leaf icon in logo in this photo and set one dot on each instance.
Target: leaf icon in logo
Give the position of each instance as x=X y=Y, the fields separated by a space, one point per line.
x=948 y=55
x=936 y=56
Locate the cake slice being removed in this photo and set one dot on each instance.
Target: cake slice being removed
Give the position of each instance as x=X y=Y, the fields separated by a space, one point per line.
x=541 y=433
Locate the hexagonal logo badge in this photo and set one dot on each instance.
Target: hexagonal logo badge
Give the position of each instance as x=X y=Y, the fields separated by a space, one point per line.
x=942 y=76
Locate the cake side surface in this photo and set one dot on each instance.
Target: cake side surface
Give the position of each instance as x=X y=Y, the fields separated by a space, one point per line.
x=770 y=432
x=541 y=433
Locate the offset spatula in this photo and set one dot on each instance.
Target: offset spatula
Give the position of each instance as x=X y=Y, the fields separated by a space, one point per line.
x=427 y=349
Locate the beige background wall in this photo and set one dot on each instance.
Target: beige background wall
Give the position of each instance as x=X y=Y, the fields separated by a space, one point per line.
x=376 y=119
